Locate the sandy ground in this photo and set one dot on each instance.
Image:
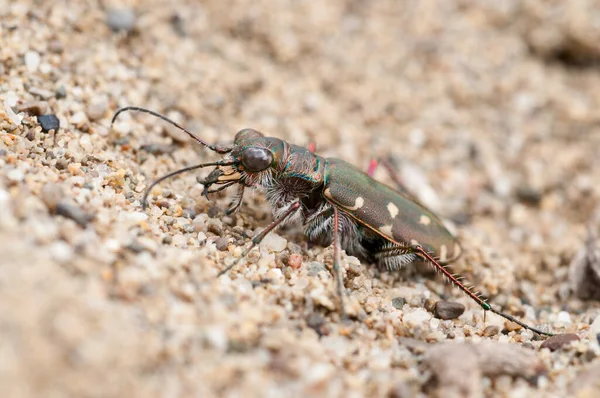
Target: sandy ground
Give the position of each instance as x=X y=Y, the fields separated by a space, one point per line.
x=490 y=111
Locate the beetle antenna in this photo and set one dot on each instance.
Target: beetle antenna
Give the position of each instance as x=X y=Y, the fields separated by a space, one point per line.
x=476 y=296
x=215 y=148
x=176 y=172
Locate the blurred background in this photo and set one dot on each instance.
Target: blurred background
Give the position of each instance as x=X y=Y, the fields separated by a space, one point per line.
x=490 y=112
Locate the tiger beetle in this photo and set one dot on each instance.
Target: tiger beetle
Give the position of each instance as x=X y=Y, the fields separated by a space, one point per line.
x=335 y=202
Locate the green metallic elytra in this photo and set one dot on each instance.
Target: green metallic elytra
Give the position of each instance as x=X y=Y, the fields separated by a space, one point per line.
x=383 y=210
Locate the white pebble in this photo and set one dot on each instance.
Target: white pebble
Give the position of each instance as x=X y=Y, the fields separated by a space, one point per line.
x=418 y=317
x=564 y=317
x=273 y=242
x=15 y=175
x=14 y=118
x=32 y=60
x=61 y=251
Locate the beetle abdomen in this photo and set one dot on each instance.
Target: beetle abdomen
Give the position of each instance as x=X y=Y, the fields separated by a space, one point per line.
x=378 y=207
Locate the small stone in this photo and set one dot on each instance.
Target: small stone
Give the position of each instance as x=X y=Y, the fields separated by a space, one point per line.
x=553 y=343
x=97 y=108
x=491 y=330
x=418 y=317
x=121 y=19
x=564 y=317
x=398 y=302
x=61 y=92
x=35 y=108
x=215 y=226
x=51 y=195
x=316 y=322
x=295 y=261
x=48 y=122
x=41 y=92
x=56 y=46
x=32 y=61
x=69 y=210
x=315 y=267
x=429 y=305
x=213 y=212
x=448 y=310
x=510 y=326
x=273 y=242
x=222 y=244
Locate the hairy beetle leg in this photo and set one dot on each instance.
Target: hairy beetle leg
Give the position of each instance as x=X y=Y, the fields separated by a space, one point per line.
x=337 y=267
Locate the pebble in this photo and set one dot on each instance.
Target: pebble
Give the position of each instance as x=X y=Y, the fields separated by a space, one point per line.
x=295 y=261
x=398 y=302
x=314 y=268
x=35 y=108
x=121 y=19
x=222 y=244
x=48 y=122
x=273 y=242
x=41 y=92
x=32 y=61
x=448 y=310
x=491 y=330
x=416 y=318
x=51 y=195
x=555 y=342
x=69 y=210
x=97 y=108
x=61 y=251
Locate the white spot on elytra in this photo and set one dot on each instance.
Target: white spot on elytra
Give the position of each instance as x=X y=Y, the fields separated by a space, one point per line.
x=386 y=230
x=393 y=210
x=443 y=253
x=424 y=220
x=327 y=193
x=358 y=203
x=414 y=242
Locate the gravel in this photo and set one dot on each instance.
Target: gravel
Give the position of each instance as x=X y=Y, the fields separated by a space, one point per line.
x=488 y=111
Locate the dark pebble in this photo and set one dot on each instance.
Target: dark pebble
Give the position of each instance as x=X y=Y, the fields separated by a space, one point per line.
x=222 y=244
x=188 y=213
x=61 y=164
x=316 y=322
x=167 y=240
x=48 y=122
x=529 y=195
x=598 y=338
x=213 y=212
x=136 y=247
x=121 y=19
x=398 y=302
x=61 y=92
x=74 y=213
x=555 y=342
x=448 y=310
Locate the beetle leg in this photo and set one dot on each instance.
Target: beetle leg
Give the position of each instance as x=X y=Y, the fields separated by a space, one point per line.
x=260 y=236
x=337 y=269
x=421 y=252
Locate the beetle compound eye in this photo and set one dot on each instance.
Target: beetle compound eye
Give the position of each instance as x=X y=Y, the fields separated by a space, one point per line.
x=256 y=159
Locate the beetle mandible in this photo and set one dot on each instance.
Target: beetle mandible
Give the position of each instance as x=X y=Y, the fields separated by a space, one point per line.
x=335 y=202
